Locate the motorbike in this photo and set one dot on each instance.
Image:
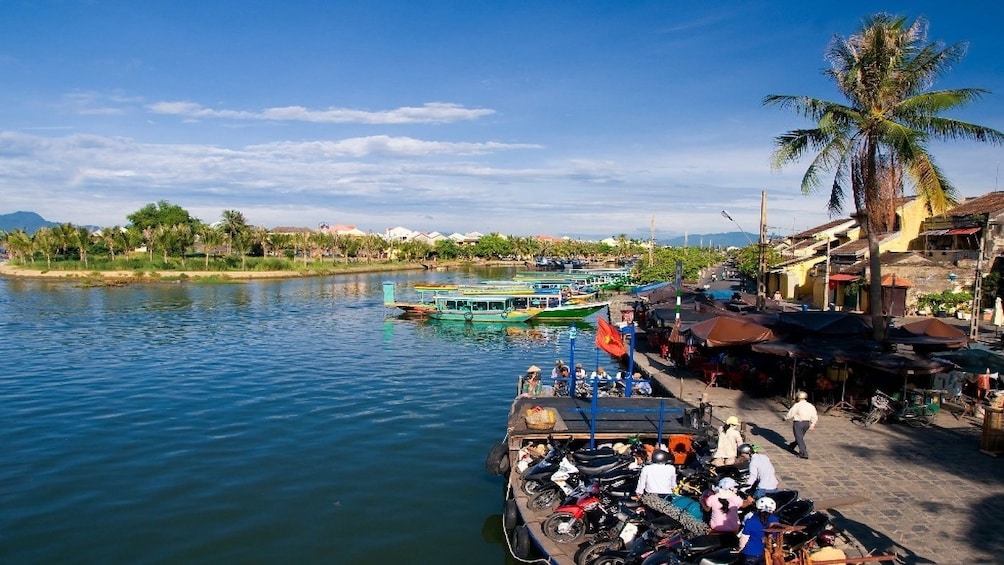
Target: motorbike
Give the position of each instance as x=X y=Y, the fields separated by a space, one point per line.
x=808 y=526
x=589 y=514
x=636 y=535
x=566 y=493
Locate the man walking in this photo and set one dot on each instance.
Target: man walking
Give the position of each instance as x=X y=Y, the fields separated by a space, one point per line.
x=803 y=418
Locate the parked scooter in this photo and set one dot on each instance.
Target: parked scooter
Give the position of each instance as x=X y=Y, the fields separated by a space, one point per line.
x=591 y=513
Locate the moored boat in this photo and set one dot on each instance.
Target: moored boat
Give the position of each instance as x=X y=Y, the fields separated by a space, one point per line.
x=480 y=308
x=570 y=311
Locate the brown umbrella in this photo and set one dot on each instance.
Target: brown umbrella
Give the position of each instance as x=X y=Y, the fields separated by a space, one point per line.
x=934 y=327
x=725 y=331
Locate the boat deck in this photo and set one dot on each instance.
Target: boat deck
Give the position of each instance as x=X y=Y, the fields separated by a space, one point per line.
x=617 y=419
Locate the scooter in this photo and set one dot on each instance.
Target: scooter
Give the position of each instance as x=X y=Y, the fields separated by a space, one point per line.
x=590 y=513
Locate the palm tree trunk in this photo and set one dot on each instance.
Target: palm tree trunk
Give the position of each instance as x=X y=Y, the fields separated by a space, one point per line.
x=875 y=288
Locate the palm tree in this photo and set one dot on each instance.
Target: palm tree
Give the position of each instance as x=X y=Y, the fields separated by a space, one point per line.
x=47 y=241
x=210 y=238
x=233 y=225
x=19 y=244
x=880 y=137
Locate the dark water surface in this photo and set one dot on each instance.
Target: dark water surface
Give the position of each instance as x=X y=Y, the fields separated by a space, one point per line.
x=266 y=422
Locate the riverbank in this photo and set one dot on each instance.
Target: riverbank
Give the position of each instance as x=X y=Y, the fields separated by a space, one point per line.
x=120 y=277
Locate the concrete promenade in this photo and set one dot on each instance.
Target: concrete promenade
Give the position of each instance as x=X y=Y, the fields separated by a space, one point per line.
x=927 y=495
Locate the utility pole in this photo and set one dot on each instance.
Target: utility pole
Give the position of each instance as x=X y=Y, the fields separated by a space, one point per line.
x=761 y=273
x=826 y=277
x=651 y=242
x=974 y=321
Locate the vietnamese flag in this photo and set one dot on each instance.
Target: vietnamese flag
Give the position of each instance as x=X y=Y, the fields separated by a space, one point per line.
x=609 y=339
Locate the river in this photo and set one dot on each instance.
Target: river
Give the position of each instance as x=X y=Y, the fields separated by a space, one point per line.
x=287 y=421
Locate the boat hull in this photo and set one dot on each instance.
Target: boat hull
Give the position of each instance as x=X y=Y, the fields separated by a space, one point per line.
x=571 y=311
x=515 y=316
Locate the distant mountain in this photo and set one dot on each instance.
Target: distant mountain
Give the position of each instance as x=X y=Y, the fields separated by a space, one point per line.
x=27 y=221
x=730 y=239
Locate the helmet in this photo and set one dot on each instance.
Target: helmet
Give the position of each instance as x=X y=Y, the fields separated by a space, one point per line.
x=732 y=421
x=766 y=504
x=728 y=483
x=802 y=395
x=660 y=456
x=745 y=449
x=826 y=537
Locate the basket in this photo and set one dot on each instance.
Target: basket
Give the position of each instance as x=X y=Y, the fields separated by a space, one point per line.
x=538 y=418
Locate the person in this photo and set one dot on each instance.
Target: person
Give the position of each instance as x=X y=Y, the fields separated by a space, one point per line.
x=561 y=382
x=983 y=385
x=723 y=503
x=754 y=530
x=729 y=440
x=803 y=418
x=556 y=371
x=531 y=383
x=658 y=477
x=762 y=476
x=580 y=373
x=826 y=551
x=641 y=385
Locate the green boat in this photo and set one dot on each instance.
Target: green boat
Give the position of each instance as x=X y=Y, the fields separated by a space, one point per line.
x=570 y=311
x=480 y=309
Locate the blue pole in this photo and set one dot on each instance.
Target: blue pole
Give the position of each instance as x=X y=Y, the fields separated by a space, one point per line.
x=662 y=415
x=572 y=333
x=593 y=411
x=629 y=382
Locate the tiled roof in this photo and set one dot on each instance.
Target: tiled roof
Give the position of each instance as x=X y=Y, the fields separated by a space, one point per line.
x=987 y=204
x=811 y=232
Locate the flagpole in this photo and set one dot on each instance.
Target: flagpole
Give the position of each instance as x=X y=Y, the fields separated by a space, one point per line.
x=679 y=308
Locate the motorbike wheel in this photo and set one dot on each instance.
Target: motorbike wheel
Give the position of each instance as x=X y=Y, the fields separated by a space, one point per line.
x=918 y=421
x=609 y=558
x=562 y=527
x=588 y=554
x=547 y=499
x=873 y=417
x=532 y=487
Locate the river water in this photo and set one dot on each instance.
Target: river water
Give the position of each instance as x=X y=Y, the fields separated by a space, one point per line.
x=285 y=421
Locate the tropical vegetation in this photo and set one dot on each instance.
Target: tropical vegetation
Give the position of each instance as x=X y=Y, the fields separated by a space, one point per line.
x=880 y=139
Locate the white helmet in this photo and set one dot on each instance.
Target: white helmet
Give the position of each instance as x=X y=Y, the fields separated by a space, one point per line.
x=727 y=483
x=766 y=504
x=802 y=395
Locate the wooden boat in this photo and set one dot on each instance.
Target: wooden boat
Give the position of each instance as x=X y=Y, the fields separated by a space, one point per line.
x=478 y=309
x=570 y=311
x=610 y=420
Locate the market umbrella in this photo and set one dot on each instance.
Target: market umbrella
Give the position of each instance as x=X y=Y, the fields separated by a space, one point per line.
x=724 y=331
x=974 y=360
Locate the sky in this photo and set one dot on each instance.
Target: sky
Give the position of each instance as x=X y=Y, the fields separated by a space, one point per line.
x=567 y=118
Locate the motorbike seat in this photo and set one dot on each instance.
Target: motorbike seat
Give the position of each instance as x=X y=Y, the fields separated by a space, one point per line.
x=814 y=523
x=721 y=557
x=794 y=511
x=784 y=497
x=616 y=475
x=705 y=543
x=601 y=466
x=593 y=454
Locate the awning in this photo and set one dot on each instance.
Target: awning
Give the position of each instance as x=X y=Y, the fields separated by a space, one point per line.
x=935 y=232
x=963 y=231
x=895 y=281
x=841 y=277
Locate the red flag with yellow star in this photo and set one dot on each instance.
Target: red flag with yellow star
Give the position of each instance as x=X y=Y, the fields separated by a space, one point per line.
x=609 y=339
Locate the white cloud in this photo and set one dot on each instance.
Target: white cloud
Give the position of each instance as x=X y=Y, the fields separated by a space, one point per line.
x=429 y=113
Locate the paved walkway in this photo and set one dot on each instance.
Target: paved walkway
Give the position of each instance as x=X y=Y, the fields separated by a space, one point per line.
x=928 y=495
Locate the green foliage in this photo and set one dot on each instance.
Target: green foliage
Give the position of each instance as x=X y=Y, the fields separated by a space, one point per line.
x=162 y=213
x=946 y=301
x=663 y=266
x=493 y=246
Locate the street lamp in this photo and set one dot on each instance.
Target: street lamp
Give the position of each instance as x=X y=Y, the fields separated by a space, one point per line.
x=729 y=218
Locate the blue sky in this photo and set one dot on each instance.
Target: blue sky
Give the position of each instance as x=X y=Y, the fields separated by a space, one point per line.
x=563 y=118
